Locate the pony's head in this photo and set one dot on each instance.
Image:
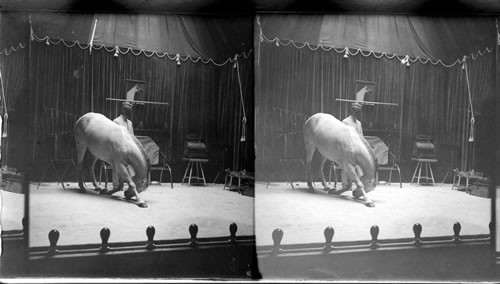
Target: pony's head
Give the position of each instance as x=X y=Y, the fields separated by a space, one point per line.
x=370 y=169
x=142 y=177
x=368 y=183
x=141 y=183
x=143 y=180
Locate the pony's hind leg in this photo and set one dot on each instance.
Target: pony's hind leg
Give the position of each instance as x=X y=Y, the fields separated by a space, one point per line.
x=92 y=166
x=321 y=171
x=310 y=148
x=81 y=148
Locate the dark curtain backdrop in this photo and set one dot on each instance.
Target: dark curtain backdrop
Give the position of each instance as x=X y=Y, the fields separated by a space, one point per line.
x=14 y=33
x=15 y=143
x=294 y=83
x=203 y=99
x=14 y=30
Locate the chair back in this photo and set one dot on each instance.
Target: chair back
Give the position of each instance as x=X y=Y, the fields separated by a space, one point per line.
x=151 y=148
x=380 y=149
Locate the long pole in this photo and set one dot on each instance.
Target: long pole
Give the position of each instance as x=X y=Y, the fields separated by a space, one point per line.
x=493 y=158
x=5 y=123
x=367 y=102
x=138 y=102
x=30 y=91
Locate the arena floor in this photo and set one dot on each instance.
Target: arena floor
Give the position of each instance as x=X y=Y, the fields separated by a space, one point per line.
x=303 y=216
x=80 y=217
x=12 y=210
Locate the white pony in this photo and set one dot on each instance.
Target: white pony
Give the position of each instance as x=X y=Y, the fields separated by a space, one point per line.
x=340 y=143
x=113 y=144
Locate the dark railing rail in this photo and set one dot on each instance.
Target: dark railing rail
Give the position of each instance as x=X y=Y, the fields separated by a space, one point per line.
x=278 y=249
x=55 y=250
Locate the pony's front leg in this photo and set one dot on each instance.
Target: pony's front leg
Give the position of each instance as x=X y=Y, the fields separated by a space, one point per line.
x=131 y=191
x=351 y=172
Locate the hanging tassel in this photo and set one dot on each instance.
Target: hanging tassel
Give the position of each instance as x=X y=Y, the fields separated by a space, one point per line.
x=178 y=59
x=5 y=126
x=243 y=130
x=47 y=41
x=277 y=42
x=116 y=52
x=471 y=136
x=406 y=61
x=346 y=54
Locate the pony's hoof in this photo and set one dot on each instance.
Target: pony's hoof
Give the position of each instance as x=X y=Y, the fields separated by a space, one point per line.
x=369 y=204
x=310 y=190
x=128 y=194
x=143 y=205
x=103 y=191
x=357 y=193
x=98 y=188
x=82 y=190
x=332 y=191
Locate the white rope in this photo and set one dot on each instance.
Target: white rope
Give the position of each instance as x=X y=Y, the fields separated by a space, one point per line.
x=244 y=120
x=4 y=130
x=472 y=119
x=367 y=53
x=3 y=97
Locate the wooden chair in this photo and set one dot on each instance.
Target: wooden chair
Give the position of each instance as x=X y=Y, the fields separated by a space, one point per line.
x=391 y=165
x=162 y=166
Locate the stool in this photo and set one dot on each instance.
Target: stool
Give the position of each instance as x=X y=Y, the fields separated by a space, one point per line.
x=241 y=176
x=198 y=168
x=428 y=169
x=468 y=175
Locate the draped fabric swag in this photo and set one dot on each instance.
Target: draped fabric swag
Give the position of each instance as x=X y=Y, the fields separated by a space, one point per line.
x=214 y=39
x=440 y=40
x=294 y=83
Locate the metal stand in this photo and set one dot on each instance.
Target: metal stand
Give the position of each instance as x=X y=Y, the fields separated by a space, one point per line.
x=53 y=163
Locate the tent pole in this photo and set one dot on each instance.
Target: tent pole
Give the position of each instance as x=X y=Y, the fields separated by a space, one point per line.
x=492 y=168
x=30 y=91
x=400 y=140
